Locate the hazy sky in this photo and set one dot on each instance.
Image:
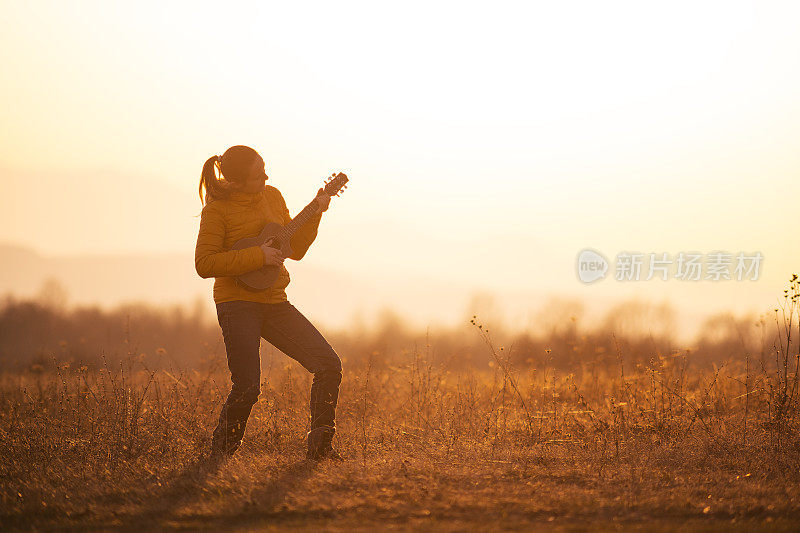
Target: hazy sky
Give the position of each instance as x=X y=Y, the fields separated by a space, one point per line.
x=487 y=145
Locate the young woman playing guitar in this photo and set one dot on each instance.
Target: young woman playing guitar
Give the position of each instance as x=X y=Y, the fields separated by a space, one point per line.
x=238 y=205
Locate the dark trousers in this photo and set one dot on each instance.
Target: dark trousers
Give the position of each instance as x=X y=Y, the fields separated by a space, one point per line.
x=243 y=325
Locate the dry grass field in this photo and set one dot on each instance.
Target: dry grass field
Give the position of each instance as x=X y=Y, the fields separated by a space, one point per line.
x=618 y=439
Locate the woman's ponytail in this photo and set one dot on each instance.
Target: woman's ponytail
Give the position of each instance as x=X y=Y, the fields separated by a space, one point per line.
x=238 y=164
x=215 y=188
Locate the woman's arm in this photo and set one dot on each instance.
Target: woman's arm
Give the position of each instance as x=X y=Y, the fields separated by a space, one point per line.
x=210 y=259
x=305 y=235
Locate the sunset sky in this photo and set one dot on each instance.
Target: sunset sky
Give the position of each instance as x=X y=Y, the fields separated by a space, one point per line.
x=486 y=145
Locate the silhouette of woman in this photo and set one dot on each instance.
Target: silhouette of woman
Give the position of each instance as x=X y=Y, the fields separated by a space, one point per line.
x=238 y=204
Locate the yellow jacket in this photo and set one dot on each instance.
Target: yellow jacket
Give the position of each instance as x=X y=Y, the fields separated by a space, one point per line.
x=241 y=215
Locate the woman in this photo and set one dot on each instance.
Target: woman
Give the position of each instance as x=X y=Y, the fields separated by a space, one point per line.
x=238 y=205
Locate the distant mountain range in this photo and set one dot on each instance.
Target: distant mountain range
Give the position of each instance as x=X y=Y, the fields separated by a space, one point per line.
x=334 y=298
x=102 y=279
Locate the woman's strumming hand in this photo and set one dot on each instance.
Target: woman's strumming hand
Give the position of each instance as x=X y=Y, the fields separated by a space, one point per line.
x=272 y=256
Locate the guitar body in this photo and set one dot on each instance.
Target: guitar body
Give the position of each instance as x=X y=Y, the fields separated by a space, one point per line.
x=264 y=277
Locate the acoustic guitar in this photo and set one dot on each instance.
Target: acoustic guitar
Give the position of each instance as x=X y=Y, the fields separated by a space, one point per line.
x=278 y=236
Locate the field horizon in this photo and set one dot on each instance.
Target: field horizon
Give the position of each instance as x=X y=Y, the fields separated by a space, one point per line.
x=337 y=300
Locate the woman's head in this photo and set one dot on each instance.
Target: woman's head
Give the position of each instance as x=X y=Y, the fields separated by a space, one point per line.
x=240 y=169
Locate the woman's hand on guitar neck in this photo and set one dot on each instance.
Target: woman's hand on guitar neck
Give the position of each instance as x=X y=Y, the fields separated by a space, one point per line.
x=323 y=200
x=272 y=256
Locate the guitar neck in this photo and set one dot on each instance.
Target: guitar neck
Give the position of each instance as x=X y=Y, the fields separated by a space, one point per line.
x=302 y=217
x=333 y=187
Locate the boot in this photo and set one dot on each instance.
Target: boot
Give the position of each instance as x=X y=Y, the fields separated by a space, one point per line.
x=319 y=444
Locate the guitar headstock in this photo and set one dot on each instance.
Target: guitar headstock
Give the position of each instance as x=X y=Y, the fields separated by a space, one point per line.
x=335 y=184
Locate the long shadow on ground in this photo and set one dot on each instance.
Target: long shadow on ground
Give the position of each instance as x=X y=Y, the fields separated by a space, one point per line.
x=187 y=488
